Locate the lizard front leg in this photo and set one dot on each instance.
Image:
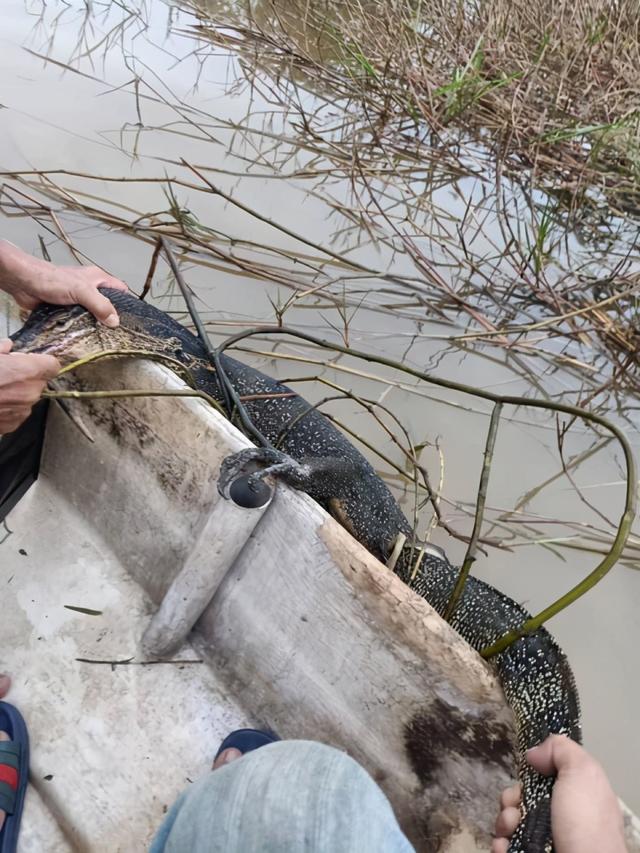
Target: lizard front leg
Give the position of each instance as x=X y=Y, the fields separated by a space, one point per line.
x=256 y=463
x=333 y=482
x=325 y=479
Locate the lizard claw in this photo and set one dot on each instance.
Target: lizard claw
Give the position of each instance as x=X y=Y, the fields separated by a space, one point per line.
x=253 y=465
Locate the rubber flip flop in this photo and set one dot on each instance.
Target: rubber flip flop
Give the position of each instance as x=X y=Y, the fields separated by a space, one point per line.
x=14 y=774
x=244 y=740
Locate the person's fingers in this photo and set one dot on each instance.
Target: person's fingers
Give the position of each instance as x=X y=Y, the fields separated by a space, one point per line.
x=15 y=414
x=21 y=394
x=23 y=377
x=22 y=411
x=511 y=796
x=115 y=283
x=507 y=821
x=5 y=684
x=556 y=753
x=11 y=420
x=5 y=346
x=33 y=366
x=101 y=308
x=47 y=366
x=26 y=301
x=585 y=814
x=508 y=818
x=99 y=278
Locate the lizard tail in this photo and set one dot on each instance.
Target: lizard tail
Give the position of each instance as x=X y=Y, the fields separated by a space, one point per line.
x=534 y=672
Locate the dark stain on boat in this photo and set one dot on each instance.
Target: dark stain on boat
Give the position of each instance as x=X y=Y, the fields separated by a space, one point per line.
x=442 y=730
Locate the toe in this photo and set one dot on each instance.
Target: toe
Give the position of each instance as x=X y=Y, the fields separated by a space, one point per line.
x=5 y=684
x=226 y=757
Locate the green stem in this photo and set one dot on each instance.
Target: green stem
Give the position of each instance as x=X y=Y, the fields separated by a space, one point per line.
x=175 y=365
x=172 y=363
x=470 y=556
x=132 y=392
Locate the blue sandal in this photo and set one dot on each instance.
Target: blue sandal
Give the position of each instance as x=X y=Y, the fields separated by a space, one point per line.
x=14 y=774
x=244 y=740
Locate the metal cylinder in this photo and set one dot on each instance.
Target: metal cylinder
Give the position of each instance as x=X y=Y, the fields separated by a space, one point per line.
x=231 y=523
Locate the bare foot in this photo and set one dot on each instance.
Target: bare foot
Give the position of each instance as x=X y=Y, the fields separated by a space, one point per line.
x=5 y=684
x=226 y=757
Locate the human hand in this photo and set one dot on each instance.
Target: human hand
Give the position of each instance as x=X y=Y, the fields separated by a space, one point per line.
x=585 y=815
x=23 y=377
x=31 y=281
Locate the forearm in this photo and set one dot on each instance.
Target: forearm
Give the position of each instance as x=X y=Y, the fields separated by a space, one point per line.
x=14 y=267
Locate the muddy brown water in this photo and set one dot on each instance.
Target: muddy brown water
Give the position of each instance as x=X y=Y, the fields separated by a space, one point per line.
x=52 y=118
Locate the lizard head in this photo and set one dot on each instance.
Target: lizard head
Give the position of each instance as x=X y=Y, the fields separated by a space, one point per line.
x=70 y=332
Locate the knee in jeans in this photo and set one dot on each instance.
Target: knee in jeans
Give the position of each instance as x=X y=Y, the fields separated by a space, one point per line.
x=318 y=756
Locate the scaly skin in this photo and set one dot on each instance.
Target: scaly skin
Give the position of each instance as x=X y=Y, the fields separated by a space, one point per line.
x=534 y=672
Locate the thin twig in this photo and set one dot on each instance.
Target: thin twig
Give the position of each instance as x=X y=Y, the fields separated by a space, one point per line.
x=470 y=556
x=232 y=399
x=131 y=662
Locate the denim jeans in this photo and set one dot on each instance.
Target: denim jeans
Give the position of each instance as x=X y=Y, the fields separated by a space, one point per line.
x=287 y=797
